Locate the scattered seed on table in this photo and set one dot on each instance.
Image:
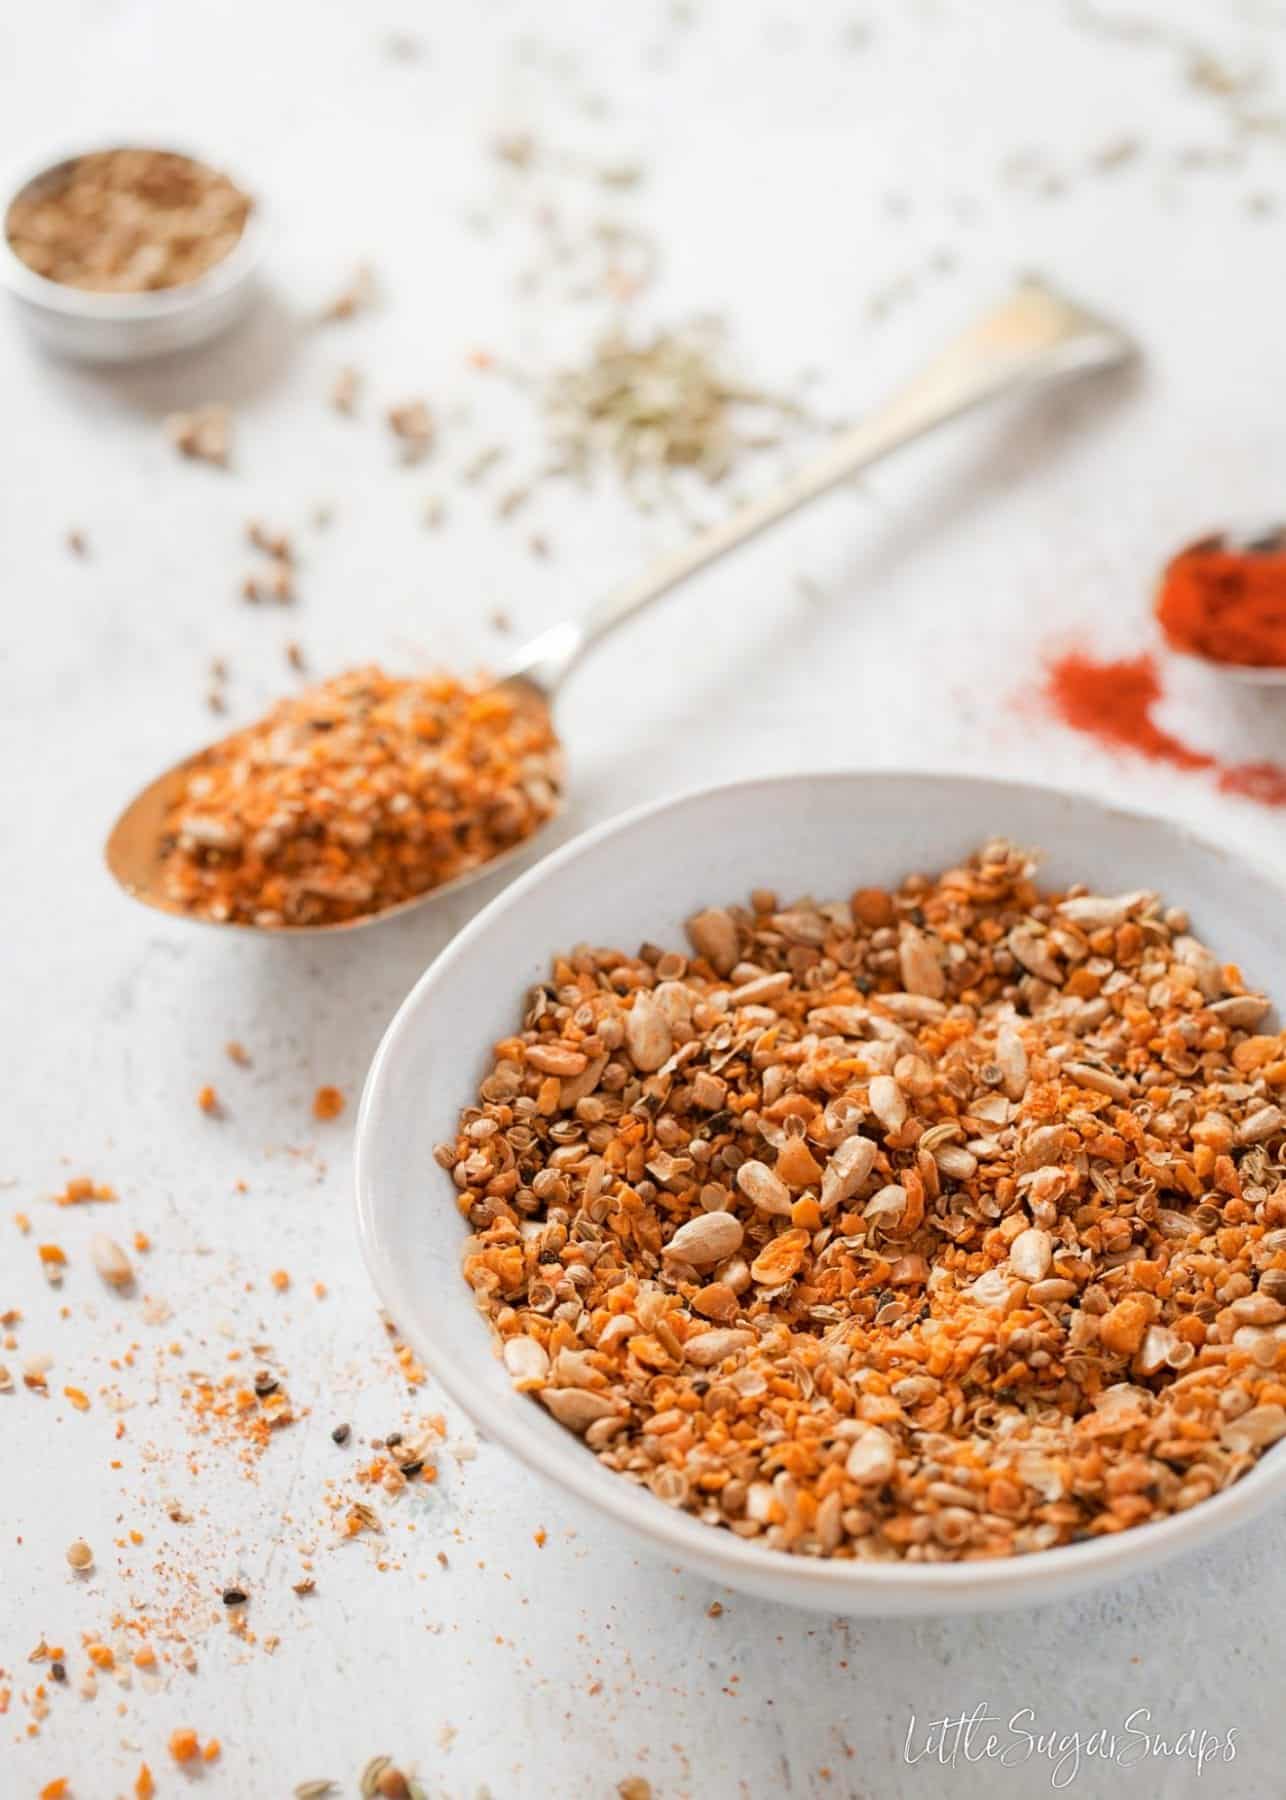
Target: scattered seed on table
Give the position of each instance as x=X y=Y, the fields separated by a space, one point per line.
x=79 y=1554
x=110 y=1260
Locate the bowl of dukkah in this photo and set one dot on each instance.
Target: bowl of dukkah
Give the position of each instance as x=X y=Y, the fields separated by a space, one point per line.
x=865 y=1189
x=116 y=252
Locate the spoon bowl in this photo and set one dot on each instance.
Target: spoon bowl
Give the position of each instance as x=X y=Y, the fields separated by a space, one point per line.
x=135 y=848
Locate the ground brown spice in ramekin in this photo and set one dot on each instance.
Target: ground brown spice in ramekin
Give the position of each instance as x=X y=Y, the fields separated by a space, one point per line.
x=127 y=221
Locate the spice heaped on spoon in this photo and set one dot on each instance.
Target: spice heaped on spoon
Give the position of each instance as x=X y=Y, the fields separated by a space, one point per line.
x=269 y=830
x=1223 y=599
x=354 y=797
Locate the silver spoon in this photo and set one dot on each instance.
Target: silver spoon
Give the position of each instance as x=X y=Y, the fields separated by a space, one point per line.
x=1250 y=540
x=1031 y=338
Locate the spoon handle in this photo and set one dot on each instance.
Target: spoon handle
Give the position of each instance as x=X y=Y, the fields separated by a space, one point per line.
x=1030 y=338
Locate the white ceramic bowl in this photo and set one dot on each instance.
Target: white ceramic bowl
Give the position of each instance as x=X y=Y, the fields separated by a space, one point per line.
x=637 y=878
x=123 y=328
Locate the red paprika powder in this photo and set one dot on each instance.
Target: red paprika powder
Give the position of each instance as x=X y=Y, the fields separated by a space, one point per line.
x=1227 y=604
x=1113 y=702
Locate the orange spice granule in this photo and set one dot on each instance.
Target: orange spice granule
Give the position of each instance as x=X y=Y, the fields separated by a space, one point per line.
x=237 y=1053
x=211 y=1749
x=51 y=1253
x=144 y=1785
x=56 y=1790
x=328 y=1103
x=988 y=1258
x=280 y=1279
x=357 y=794
x=23 y=1223
x=184 y=1745
x=78 y=1397
x=81 y=1189
x=142 y=1241
x=208 y=1100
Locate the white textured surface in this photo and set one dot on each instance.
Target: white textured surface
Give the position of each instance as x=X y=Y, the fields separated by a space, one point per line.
x=799 y=160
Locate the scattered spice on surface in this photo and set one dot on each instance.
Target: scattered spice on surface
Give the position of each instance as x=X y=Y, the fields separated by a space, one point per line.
x=328 y=1103
x=961 y=1235
x=208 y=1101
x=53 y=1260
x=652 y=407
x=1114 y=701
x=203 y=435
x=81 y=1190
x=110 y=1261
x=356 y=296
x=357 y=794
x=184 y=1745
x=343 y=391
x=412 y=425
x=126 y=221
x=1227 y=604
x=274 y=544
x=276 y=580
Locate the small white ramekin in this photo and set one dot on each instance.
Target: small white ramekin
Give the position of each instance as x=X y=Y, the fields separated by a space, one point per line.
x=122 y=328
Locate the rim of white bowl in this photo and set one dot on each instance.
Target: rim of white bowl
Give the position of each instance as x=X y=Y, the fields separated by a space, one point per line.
x=677 y=1534
x=126 y=309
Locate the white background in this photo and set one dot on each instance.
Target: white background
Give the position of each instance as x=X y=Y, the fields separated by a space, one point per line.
x=842 y=184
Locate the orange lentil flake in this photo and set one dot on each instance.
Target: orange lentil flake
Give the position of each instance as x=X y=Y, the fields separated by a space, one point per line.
x=361 y=792
x=81 y=1189
x=184 y=1745
x=328 y=1103
x=941 y=1224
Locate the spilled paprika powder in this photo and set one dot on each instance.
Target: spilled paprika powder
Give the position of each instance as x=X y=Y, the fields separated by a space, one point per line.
x=1114 y=701
x=1227 y=602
